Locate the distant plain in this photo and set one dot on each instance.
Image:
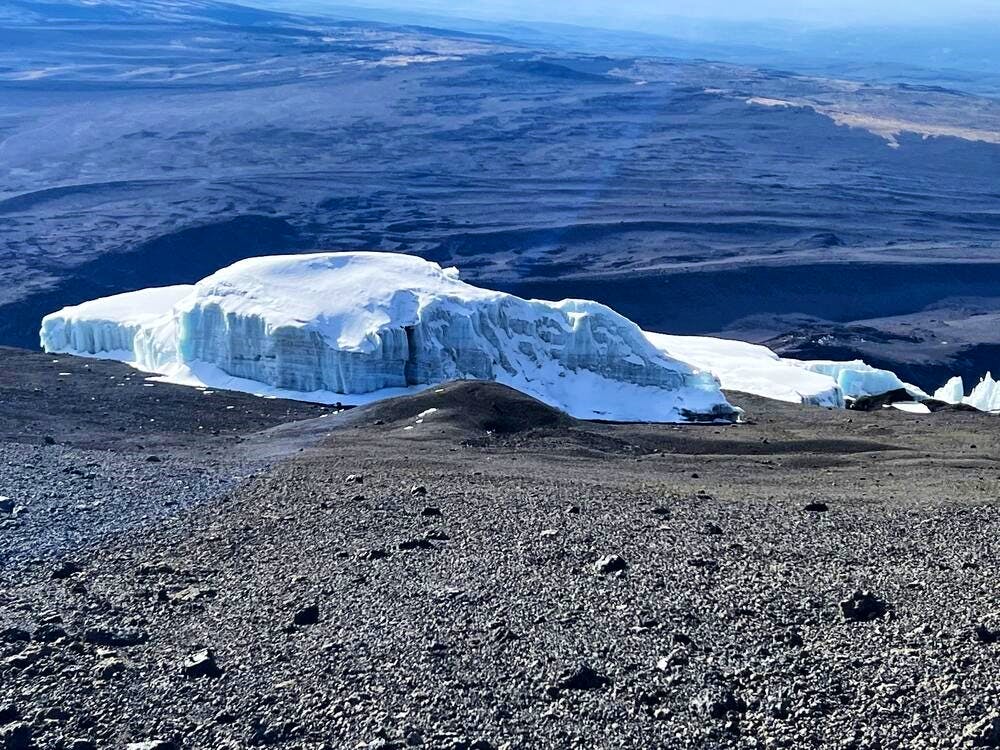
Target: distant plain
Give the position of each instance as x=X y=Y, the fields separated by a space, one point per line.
x=151 y=144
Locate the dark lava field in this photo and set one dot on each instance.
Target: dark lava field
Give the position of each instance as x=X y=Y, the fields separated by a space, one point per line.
x=153 y=143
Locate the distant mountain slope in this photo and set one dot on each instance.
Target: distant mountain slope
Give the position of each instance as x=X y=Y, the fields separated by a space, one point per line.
x=132 y=131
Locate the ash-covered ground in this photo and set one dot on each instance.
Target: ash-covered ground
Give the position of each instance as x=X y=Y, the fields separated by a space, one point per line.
x=489 y=574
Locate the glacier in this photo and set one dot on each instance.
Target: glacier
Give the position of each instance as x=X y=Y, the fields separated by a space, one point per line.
x=857 y=379
x=752 y=368
x=755 y=369
x=985 y=396
x=332 y=326
x=355 y=327
x=952 y=392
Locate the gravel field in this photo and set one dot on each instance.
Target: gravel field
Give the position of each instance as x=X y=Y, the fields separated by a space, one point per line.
x=491 y=574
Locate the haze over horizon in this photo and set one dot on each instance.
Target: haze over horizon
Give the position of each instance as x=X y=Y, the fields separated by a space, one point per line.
x=603 y=13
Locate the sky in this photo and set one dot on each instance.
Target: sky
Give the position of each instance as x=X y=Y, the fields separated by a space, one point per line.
x=627 y=13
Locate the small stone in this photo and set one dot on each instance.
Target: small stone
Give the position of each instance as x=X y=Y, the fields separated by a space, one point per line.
x=66 y=569
x=710 y=529
x=677 y=657
x=201 y=664
x=14 y=635
x=863 y=607
x=816 y=508
x=418 y=490
x=109 y=669
x=17 y=736
x=105 y=637
x=153 y=459
x=573 y=509
x=610 y=564
x=582 y=677
x=49 y=440
x=308 y=615
x=717 y=703
x=354 y=479
x=431 y=512
x=983 y=733
x=985 y=635
x=6 y=504
x=369 y=555
x=412 y=544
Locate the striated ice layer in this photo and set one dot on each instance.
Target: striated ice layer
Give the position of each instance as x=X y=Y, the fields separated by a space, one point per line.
x=857 y=379
x=360 y=323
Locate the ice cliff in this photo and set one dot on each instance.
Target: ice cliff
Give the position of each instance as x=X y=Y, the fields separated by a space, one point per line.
x=755 y=369
x=342 y=324
x=354 y=327
x=985 y=396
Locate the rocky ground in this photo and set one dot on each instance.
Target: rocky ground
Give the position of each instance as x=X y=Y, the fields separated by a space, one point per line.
x=490 y=574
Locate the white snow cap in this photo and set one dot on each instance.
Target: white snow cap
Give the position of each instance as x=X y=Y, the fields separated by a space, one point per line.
x=335 y=326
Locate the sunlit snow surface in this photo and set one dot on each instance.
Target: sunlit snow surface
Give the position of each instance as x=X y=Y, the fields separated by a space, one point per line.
x=985 y=396
x=357 y=327
x=351 y=327
x=752 y=368
x=951 y=392
x=755 y=369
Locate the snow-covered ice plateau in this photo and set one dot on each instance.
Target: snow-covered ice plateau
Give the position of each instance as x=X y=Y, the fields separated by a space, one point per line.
x=332 y=326
x=356 y=327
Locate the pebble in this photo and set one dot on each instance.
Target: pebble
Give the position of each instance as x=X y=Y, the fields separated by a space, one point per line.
x=308 y=615
x=201 y=664
x=610 y=564
x=863 y=606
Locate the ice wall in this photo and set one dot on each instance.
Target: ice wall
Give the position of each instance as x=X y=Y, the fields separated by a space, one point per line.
x=952 y=392
x=857 y=379
x=986 y=395
x=357 y=323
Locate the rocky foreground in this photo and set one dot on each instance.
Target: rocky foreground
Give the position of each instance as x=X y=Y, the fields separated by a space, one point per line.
x=190 y=570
